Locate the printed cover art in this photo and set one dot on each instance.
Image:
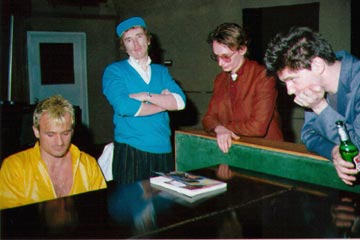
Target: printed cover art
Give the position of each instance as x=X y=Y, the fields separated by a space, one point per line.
x=189 y=181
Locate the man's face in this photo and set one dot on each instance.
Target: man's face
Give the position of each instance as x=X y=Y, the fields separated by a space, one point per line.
x=54 y=137
x=229 y=60
x=136 y=43
x=298 y=81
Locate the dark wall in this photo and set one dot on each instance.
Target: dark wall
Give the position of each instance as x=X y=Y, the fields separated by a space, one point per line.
x=263 y=24
x=180 y=26
x=18 y=9
x=355 y=30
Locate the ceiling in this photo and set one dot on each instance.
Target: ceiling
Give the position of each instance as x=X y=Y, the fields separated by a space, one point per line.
x=79 y=3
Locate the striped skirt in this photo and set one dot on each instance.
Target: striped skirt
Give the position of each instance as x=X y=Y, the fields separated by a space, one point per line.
x=131 y=164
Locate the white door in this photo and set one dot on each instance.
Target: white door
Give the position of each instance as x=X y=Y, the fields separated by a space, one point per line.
x=57 y=65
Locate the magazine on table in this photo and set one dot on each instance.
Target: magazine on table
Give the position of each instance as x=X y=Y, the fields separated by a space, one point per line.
x=185 y=200
x=193 y=187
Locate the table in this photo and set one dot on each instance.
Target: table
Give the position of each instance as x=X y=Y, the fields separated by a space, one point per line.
x=255 y=205
x=195 y=149
x=277 y=190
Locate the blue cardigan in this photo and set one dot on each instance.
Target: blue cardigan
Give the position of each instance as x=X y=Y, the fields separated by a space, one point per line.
x=319 y=132
x=147 y=133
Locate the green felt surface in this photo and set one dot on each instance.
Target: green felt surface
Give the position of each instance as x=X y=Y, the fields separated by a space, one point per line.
x=195 y=151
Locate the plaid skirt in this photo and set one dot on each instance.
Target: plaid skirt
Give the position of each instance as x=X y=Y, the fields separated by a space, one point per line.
x=131 y=164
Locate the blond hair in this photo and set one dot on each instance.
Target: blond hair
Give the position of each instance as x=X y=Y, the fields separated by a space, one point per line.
x=56 y=107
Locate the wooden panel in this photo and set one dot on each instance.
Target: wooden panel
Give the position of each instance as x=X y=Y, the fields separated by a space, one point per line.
x=196 y=149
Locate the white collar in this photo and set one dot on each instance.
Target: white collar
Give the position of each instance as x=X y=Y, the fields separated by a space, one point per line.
x=145 y=74
x=137 y=62
x=234 y=76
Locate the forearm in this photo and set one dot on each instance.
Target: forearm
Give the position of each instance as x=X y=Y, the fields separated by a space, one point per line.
x=165 y=101
x=319 y=132
x=147 y=109
x=209 y=123
x=254 y=118
x=251 y=128
x=256 y=124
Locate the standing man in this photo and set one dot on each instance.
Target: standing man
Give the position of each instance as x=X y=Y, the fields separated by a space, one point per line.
x=244 y=98
x=54 y=167
x=140 y=93
x=326 y=84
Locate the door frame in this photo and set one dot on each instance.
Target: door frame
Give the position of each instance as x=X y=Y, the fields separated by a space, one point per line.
x=78 y=39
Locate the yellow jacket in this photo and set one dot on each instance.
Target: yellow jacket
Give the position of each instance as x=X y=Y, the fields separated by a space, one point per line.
x=24 y=178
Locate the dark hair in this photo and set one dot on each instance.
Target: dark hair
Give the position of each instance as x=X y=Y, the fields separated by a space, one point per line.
x=296 y=50
x=229 y=34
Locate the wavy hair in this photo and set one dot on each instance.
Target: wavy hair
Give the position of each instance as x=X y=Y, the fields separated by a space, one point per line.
x=296 y=49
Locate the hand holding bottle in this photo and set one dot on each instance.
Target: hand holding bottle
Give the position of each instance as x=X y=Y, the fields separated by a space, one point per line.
x=345 y=156
x=345 y=170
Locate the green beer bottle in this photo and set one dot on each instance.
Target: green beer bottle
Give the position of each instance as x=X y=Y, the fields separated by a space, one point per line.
x=348 y=151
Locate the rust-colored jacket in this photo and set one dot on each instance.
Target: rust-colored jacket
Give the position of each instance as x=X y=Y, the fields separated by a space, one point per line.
x=254 y=111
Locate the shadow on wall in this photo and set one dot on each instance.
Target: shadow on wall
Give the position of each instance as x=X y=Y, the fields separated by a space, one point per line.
x=156 y=53
x=178 y=119
x=184 y=118
x=286 y=110
x=84 y=139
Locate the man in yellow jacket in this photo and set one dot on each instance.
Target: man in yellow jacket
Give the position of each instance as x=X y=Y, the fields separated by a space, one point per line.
x=54 y=167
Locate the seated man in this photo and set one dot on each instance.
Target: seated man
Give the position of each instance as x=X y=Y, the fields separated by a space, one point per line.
x=53 y=167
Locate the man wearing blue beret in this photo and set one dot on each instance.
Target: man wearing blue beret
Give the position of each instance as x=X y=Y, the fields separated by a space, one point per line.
x=140 y=93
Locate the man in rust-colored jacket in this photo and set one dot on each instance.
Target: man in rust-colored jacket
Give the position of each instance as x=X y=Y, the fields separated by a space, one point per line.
x=244 y=98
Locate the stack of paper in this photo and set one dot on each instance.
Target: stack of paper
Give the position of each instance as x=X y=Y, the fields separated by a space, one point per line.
x=193 y=187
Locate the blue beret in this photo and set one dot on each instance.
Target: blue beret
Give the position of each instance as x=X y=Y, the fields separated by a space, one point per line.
x=129 y=23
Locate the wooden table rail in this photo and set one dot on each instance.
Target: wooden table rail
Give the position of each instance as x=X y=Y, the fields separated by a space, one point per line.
x=196 y=149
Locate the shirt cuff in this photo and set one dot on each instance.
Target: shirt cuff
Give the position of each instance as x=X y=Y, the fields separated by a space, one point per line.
x=179 y=101
x=138 y=111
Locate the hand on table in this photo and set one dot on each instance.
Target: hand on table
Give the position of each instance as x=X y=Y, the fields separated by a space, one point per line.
x=224 y=172
x=224 y=137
